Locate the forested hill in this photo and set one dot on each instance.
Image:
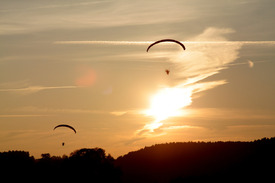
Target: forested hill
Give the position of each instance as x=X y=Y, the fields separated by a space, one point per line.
x=173 y=162
x=200 y=162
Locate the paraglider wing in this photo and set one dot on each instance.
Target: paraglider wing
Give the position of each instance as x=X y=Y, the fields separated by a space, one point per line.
x=64 y=125
x=166 y=40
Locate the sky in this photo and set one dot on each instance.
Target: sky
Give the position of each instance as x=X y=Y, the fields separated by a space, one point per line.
x=84 y=63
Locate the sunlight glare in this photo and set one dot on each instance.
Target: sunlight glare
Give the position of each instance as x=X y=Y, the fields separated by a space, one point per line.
x=167 y=103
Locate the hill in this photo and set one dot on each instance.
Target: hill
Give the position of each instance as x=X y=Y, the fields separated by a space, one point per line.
x=200 y=162
x=170 y=162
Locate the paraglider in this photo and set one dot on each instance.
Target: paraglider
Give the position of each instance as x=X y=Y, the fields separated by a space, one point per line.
x=64 y=125
x=166 y=40
x=67 y=126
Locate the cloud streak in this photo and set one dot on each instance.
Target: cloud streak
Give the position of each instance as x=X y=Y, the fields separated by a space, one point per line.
x=53 y=6
x=34 y=89
x=31 y=17
x=271 y=43
x=47 y=111
x=20 y=115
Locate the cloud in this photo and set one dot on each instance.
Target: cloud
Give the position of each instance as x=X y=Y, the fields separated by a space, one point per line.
x=34 y=89
x=42 y=16
x=123 y=112
x=20 y=115
x=203 y=60
x=118 y=113
x=229 y=113
x=15 y=134
x=180 y=127
x=24 y=87
x=198 y=62
x=105 y=42
x=250 y=63
x=42 y=111
x=201 y=42
x=51 y=6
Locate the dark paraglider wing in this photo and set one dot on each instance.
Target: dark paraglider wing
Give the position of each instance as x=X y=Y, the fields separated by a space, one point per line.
x=166 y=40
x=64 y=125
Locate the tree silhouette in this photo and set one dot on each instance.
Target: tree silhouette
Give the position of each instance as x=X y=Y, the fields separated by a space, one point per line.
x=200 y=162
x=82 y=165
x=170 y=162
x=94 y=163
x=16 y=165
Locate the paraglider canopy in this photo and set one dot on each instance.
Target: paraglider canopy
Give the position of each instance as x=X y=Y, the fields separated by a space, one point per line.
x=64 y=125
x=166 y=40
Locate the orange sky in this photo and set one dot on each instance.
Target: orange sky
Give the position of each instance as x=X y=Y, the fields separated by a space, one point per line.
x=85 y=64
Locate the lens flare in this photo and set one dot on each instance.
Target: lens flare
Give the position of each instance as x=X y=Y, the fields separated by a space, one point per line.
x=87 y=77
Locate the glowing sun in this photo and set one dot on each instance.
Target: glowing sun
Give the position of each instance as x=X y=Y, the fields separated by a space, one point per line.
x=168 y=102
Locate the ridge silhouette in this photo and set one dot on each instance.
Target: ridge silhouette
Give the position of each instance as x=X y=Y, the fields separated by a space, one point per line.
x=201 y=162
x=170 y=162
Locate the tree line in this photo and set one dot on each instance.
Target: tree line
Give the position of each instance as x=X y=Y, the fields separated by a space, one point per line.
x=170 y=162
x=89 y=165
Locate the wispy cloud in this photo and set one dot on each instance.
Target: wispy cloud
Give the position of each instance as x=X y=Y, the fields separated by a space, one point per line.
x=149 y=42
x=197 y=63
x=34 y=89
x=30 y=17
x=229 y=113
x=249 y=63
x=47 y=111
x=180 y=127
x=20 y=115
x=15 y=134
x=34 y=111
x=105 y=42
x=52 y=6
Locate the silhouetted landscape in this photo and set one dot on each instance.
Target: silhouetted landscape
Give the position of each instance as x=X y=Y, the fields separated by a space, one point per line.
x=170 y=162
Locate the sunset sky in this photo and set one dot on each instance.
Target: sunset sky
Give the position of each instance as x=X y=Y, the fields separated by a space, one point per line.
x=84 y=63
